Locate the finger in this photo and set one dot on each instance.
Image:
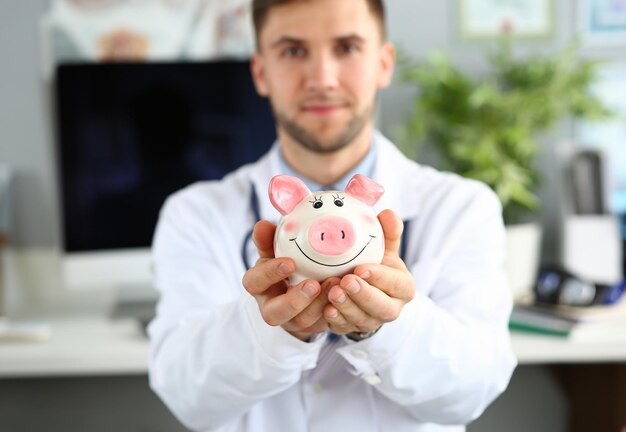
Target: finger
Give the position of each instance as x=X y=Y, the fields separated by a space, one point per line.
x=267 y=273
x=315 y=311
x=336 y=322
x=263 y=237
x=372 y=301
x=392 y=230
x=352 y=313
x=396 y=283
x=330 y=282
x=280 y=309
x=317 y=327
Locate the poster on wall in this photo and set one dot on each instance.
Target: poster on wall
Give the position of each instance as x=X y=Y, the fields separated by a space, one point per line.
x=603 y=22
x=145 y=30
x=487 y=19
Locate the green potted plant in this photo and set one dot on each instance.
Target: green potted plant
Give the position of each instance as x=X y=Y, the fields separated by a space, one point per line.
x=487 y=127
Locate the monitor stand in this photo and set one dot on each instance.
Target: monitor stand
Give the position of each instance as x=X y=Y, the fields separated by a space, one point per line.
x=136 y=302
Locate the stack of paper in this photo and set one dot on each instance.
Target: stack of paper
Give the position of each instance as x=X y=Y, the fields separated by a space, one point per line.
x=568 y=321
x=24 y=330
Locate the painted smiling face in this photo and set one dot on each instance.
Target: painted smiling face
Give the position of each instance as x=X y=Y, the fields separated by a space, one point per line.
x=327 y=233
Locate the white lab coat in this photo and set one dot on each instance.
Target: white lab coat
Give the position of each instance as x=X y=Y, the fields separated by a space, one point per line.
x=218 y=366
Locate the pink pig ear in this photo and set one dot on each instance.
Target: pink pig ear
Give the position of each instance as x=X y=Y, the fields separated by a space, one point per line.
x=286 y=192
x=364 y=189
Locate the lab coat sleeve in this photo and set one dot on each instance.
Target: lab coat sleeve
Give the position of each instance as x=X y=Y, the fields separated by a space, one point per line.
x=448 y=356
x=212 y=355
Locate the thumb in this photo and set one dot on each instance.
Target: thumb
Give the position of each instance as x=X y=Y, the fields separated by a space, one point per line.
x=263 y=237
x=392 y=230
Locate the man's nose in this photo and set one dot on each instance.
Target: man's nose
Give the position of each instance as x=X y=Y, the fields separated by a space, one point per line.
x=322 y=73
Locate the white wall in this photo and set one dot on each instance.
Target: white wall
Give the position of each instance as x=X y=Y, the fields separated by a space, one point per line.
x=25 y=139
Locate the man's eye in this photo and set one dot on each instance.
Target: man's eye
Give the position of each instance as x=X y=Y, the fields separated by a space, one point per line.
x=293 y=52
x=347 y=48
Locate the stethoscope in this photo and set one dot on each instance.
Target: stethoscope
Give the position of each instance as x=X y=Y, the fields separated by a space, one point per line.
x=248 y=244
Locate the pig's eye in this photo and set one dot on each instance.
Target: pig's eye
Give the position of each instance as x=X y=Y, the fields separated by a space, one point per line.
x=317 y=203
x=338 y=200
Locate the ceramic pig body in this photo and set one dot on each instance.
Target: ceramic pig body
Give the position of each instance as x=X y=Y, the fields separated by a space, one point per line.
x=327 y=233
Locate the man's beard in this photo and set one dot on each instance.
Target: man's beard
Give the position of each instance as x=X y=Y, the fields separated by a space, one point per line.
x=309 y=141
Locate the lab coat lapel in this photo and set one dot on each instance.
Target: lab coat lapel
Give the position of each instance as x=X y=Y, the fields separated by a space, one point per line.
x=397 y=174
x=260 y=176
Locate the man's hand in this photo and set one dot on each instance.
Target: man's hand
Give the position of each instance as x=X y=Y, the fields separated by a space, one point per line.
x=375 y=293
x=299 y=308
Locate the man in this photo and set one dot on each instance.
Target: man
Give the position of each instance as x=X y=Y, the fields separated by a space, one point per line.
x=416 y=343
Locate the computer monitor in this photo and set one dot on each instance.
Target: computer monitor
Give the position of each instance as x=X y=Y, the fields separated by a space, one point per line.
x=129 y=135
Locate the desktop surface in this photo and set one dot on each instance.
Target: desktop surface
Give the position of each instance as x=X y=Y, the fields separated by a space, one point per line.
x=98 y=345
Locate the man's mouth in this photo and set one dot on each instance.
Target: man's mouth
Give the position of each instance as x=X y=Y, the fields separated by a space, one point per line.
x=322 y=109
x=333 y=265
x=322 y=106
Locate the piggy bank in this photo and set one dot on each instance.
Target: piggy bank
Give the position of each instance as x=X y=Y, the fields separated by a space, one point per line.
x=327 y=233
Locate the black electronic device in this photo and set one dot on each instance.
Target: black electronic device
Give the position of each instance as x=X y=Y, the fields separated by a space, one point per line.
x=558 y=286
x=130 y=134
x=590 y=183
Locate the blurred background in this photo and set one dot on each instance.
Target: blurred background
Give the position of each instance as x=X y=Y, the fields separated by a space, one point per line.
x=114 y=104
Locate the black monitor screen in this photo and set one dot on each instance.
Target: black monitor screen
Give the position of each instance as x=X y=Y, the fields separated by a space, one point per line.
x=129 y=135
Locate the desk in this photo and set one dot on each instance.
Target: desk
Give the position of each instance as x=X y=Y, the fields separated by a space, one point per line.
x=539 y=349
x=102 y=346
x=100 y=366
x=79 y=347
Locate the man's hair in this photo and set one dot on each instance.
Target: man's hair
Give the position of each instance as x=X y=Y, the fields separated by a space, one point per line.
x=260 y=9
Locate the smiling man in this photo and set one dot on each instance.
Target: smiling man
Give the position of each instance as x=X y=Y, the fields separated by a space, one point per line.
x=322 y=79
x=416 y=343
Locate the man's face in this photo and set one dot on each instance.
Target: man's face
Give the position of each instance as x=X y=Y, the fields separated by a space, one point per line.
x=321 y=62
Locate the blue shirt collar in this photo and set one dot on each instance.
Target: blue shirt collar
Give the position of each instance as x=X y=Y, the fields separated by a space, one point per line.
x=365 y=167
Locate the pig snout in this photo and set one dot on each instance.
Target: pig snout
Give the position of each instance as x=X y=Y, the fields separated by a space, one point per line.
x=331 y=235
